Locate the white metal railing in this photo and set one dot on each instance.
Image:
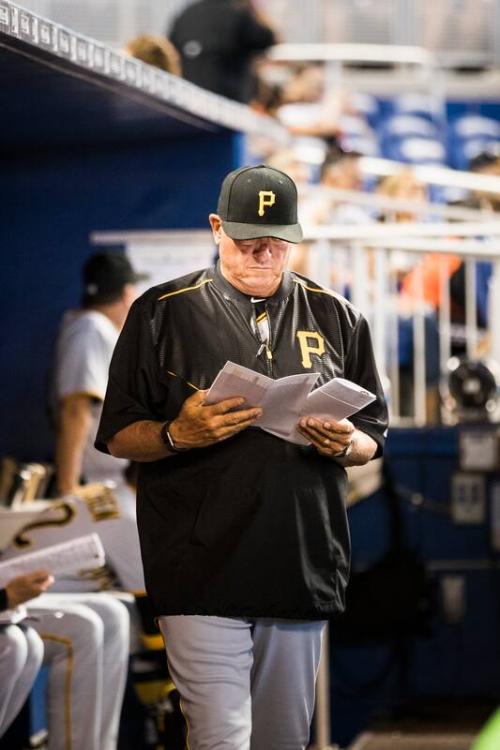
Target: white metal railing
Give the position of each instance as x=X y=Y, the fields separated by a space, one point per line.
x=361 y=262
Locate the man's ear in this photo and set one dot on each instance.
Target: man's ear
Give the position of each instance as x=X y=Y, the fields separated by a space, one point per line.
x=216 y=224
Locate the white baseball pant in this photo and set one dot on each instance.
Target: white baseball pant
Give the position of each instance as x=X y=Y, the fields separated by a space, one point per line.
x=21 y=654
x=86 y=640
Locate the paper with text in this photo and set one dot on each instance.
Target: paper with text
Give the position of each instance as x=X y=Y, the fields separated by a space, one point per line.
x=81 y=553
x=285 y=400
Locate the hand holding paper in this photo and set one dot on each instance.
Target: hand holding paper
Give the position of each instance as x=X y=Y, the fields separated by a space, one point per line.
x=287 y=399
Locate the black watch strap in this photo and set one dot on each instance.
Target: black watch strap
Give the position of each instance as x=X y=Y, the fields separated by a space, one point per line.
x=167 y=440
x=344 y=452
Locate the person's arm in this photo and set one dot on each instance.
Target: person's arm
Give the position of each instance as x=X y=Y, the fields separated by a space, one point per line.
x=330 y=438
x=75 y=420
x=196 y=426
x=25 y=587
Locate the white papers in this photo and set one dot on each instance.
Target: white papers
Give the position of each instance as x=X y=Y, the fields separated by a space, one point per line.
x=285 y=400
x=81 y=553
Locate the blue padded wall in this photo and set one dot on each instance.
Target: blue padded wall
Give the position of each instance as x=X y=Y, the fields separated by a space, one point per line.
x=52 y=201
x=454 y=662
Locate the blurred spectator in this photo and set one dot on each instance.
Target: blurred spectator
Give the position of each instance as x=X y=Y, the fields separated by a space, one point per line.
x=419 y=279
x=267 y=96
x=218 y=41
x=156 y=51
x=486 y=163
x=308 y=109
x=340 y=170
x=403 y=186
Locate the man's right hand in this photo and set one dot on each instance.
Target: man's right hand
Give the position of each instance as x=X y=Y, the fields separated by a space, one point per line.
x=23 y=588
x=198 y=425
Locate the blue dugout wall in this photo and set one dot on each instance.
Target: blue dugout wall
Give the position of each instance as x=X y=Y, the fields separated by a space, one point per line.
x=90 y=140
x=455 y=666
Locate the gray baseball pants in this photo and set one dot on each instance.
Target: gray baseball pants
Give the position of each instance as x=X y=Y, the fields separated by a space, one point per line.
x=245 y=684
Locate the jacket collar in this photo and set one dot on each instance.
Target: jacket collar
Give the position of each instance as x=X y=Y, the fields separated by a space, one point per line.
x=230 y=292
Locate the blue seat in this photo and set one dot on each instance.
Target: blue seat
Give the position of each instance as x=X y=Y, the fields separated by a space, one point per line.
x=474 y=126
x=400 y=126
x=421 y=105
x=415 y=150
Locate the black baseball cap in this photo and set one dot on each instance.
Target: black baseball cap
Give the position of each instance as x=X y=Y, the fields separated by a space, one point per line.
x=259 y=202
x=105 y=274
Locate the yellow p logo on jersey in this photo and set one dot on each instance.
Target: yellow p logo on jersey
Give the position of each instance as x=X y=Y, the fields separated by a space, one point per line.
x=266 y=199
x=310 y=343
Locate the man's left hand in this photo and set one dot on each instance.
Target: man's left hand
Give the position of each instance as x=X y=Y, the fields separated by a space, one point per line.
x=328 y=437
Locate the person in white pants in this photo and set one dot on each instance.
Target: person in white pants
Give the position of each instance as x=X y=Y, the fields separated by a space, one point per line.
x=86 y=645
x=21 y=649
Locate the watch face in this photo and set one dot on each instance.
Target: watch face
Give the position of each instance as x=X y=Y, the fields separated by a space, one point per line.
x=167 y=439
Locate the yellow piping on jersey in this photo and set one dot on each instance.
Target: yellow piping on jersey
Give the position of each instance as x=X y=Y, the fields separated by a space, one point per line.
x=262 y=316
x=313 y=289
x=174 y=374
x=186 y=289
x=67 y=683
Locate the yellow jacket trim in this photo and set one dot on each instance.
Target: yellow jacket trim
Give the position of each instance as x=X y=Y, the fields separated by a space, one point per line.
x=186 y=289
x=314 y=289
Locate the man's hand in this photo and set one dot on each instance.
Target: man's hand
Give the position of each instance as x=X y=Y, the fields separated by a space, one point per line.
x=328 y=437
x=23 y=588
x=198 y=426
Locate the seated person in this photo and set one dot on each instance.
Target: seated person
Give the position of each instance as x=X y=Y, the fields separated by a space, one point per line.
x=21 y=648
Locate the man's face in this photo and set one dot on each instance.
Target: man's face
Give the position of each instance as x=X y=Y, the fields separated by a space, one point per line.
x=254 y=267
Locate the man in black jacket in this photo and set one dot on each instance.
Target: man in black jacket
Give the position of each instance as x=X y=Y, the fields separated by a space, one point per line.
x=244 y=534
x=217 y=41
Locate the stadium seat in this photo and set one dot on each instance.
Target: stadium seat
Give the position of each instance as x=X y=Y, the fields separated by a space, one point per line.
x=415 y=150
x=420 y=105
x=475 y=126
x=409 y=125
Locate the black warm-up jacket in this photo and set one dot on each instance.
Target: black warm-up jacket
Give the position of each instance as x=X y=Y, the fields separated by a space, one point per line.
x=254 y=525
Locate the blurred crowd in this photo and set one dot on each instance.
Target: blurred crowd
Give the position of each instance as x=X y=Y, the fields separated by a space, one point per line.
x=220 y=45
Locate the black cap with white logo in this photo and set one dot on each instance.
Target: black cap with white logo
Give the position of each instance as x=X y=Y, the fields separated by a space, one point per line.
x=259 y=202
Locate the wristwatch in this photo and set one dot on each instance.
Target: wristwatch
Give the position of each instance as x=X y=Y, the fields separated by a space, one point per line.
x=345 y=452
x=167 y=439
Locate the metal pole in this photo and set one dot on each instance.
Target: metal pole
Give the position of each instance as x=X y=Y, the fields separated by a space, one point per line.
x=380 y=315
x=395 y=398
x=470 y=307
x=419 y=384
x=444 y=316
